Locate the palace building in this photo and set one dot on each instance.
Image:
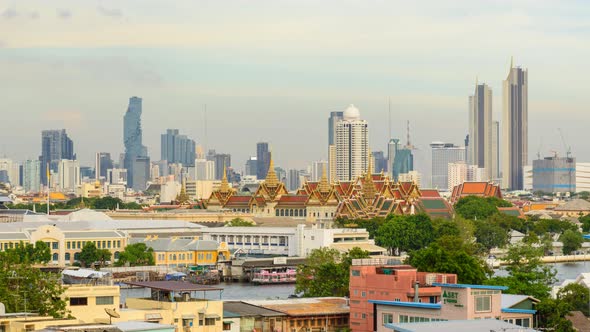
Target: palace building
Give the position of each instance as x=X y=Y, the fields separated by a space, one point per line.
x=368 y=196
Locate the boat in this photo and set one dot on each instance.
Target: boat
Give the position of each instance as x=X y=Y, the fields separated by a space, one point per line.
x=268 y=277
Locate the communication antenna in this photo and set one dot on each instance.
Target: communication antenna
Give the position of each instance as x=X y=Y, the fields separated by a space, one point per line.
x=112 y=314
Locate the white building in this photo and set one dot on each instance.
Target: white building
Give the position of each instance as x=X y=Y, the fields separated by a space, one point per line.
x=204 y=170
x=117 y=176
x=12 y=170
x=442 y=155
x=482 y=147
x=317 y=167
x=169 y=191
x=32 y=176
x=291 y=241
x=582 y=177
x=460 y=172
x=68 y=175
x=411 y=176
x=352 y=145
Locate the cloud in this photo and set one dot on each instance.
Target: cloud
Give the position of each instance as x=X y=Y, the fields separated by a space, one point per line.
x=9 y=13
x=64 y=14
x=114 y=12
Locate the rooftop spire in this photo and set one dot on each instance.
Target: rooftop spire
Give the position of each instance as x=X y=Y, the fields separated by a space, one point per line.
x=369 y=187
x=224 y=184
x=324 y=186
x=271 y=176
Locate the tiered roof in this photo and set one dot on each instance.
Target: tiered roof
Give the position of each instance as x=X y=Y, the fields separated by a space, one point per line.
x=481 y=189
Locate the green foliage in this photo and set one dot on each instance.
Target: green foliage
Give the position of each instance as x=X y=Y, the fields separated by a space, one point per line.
x=405 y=233
x=371 y=225
x=527 y=274
x=577 y=296
x=490 y=235
x=137 y=254
x=239 y=222
x=585 y=220
x=326 y=272
x=473 y=207
x=98 y=203
x=28 y=253
x=450 y=254
x=554 y=226
x=584 y=195
x=20 y=281
x=551 y=315
x=88 y=254
x=572 y=241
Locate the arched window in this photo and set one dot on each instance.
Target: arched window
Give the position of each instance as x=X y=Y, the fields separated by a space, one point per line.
x=55 y=257
x=68 y=257
x=76 y=256
x=296 y=212
x=116 y=255
x=290 y=212
x=277 y=212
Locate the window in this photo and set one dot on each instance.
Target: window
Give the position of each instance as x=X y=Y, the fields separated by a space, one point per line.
x=68 y=244
x=75 y=301
x=387 y=319
x=363 y=293
x=118 y=243
x=524 y=322
x=209 y=321
x=55 y=257
x=68 y=256
x=363 y=316
x=109 y=244
x=397 y=299
x=226 y=326
x=104 y=300
x=483 y=303
x=356 y=273
x=55 y=245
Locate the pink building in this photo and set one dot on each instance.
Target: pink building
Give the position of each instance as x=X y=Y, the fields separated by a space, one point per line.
x=458 y=302
x=381 y=279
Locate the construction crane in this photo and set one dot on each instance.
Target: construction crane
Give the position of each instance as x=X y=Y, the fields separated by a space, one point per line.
x=568 y=149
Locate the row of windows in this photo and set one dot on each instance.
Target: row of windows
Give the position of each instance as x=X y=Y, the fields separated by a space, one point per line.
x=416 y=319
x=291 y=213
x=107 y=244
x=485 y=292
x=99 y=300
x=318 y=322
x=524 y=322
x=251 y=239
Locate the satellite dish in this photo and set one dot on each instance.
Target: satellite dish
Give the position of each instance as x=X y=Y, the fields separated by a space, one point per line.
x=112 y=313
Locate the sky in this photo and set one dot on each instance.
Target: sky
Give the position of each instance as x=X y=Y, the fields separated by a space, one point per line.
x=273 y=70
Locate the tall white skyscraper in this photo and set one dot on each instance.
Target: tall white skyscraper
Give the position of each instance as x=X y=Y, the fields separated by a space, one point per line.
x=32 y=176
x=335 y=117
x=352 y=145
x=481 y=130
x=317 y=169
x=204 y=169
x=68 y=175
x=515 y=128
x=442 y=155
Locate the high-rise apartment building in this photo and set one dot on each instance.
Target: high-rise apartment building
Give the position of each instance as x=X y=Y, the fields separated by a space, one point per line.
x=68 y=175
x=222 y=162
x=103 y=163
x=515 y=128
x=55 y=146
x=391 y=150
x=204 y=170
x=32 y=176
x=460 y=172
x=176 y=148
x=495 y=173
x=317 y=169
x=293 y=180
x=135 y=151
x=332 y=121
x=379 y=162
x=262 y=160
x=442 y=155
x=352 y=145
x=481 y=145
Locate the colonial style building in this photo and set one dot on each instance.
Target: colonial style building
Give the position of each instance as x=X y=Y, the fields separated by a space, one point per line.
x=371 y=195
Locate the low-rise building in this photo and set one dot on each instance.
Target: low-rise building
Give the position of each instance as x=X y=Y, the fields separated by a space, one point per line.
x=241 y=316
x=310 y=314
x=458 y=302
x=387 y=280
x=482 y=325
x=179 y=252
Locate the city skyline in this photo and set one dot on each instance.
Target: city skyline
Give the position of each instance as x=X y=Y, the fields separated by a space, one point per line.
x=284 y=77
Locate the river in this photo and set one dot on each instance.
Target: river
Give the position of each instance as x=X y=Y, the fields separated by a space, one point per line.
x=245 y=291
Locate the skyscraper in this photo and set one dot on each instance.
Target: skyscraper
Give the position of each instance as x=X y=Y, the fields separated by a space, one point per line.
x=515 y=128
x=102 y=164
x=251 y=166
x=55 y=146
x=379 y=162
x=481 y=130
x=134 y=148
x=403 y=159
x=32 y=176
x=262 y=160
x=68 y=175
x=442 y=155
x=176 y=148
x=317 y=169
x=352 y=145
x=293 y=179
x=332 y=121
x=222 y=162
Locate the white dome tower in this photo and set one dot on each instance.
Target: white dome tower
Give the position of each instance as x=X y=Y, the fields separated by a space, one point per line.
x=351 y=113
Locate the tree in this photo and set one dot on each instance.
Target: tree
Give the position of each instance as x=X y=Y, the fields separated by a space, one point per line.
x=490 y=235
x=584 y=195
x=473 y=207
x=19 y=281
x=577 y=296
x=326 y=272
x=239 y=222
x=551 y=313
x=449 y=254
x=585 y=220
x=405 y=233
x=89 y=254
x=29 y=253
x=137 y=254
x=572 y=241
x=527 y=274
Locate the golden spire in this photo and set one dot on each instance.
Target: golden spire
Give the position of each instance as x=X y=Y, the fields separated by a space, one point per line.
x=324 y=186
x=271 y=176
x=224 y=184
x=369 y=187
